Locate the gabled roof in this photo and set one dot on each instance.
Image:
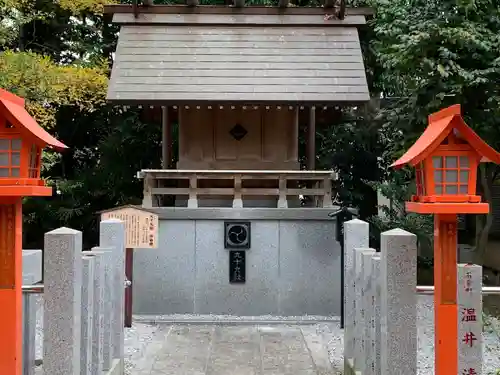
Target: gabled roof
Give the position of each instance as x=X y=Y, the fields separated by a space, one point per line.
x=440 y=125
x=14 y=105
x=222 y=54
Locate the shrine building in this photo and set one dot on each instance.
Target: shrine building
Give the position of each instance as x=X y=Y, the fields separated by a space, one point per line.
x=243 y=229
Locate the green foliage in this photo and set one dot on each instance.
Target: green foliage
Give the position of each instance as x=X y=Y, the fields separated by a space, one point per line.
x=431 y=54
x=353 y=148
x=395 y=215
x=48 y=86
x=436 y=53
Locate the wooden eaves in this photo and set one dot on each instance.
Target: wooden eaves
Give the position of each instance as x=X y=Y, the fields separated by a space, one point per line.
x=193 y=8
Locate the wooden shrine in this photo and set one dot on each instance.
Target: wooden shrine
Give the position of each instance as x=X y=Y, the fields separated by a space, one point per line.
x=237 y=79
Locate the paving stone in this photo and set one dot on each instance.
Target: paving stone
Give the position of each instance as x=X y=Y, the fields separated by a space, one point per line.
x=237 y=350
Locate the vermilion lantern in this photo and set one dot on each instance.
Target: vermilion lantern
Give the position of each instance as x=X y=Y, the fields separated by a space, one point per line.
x=21 y=143
x=446 y=158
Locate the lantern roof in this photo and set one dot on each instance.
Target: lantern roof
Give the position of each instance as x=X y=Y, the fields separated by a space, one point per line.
x=441 y=124
x=14 y=105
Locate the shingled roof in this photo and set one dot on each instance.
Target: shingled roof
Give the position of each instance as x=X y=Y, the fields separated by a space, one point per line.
x=237 y=56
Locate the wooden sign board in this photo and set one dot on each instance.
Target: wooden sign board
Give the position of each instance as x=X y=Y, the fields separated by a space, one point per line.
x=141 y=227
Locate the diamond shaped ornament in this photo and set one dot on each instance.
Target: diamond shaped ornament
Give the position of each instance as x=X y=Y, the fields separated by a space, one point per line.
x=238 y=132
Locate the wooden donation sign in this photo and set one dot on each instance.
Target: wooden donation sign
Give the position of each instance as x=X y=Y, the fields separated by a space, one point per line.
x=21 y=144
x=141 y=232
x=446 y=158
x=141 y=227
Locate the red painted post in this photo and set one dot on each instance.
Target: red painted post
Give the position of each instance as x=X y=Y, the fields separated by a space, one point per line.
x=10 y=285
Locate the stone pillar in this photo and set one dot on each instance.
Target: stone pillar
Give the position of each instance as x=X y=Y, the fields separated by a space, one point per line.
x=100 y=260
x=112 y=235
x=355 y=235
x=87 y=315
x=106 y=306
x=367 y=296
x=62 y=302
x=375 y=324
x=360 y=355
x=470 y=322
x=398 y=309
x=29 y=326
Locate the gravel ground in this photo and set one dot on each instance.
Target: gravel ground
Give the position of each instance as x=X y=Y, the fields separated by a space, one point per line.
x=142 y=336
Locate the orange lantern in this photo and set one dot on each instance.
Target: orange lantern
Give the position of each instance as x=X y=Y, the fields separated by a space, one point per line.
x=21 y=143
x=446 y=158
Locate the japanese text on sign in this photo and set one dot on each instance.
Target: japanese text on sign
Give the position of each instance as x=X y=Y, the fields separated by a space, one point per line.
x=141 y=227
x=469 y=319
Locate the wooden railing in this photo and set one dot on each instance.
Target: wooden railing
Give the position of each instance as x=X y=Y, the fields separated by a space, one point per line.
x=202 y=184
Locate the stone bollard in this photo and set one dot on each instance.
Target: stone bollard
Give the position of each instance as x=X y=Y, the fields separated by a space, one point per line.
x=398 y=308
x=470 y=322
x=62 y=302
x=87 y=314
x=375 y=326
x=355 y=236
x=105 y=343
x=100 y=259
x=360 y=297
x=112 y=235
x=29 y=326
x=367 y=296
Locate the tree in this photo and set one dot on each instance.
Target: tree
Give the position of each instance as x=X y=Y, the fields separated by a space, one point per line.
x=436 y=53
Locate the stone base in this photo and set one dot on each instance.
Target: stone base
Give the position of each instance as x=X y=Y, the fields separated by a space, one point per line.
x=117 y=368
x=349 y=367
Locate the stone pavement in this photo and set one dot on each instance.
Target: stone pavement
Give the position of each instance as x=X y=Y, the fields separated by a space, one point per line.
x=234 y=350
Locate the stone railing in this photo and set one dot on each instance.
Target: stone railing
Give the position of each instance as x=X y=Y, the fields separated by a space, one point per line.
x=380 y=304
x=266 y=184
x=83 y=304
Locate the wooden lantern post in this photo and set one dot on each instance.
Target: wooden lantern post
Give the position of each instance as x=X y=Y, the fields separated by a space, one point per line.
x=21 y=143
x=446 y=158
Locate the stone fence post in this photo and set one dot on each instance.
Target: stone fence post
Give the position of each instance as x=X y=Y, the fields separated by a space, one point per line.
x=356 y=235
x=29 y=327
x=398 y=308
x=87 y=315
x=62 y=302
x=112 y=235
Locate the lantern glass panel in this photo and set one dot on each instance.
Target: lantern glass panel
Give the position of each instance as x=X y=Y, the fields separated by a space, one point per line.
x=4 y=159
x=464 y=176
x=4 y=144
x=437 y=162
x=14 y=172
x=464 y=162
x=16 y=144
x=420 y=179
x=438 y=176
x=451 y=162
x=451 y=189
x=464 y=189
x=16 y=159
x=452 y=176
x=438 y=189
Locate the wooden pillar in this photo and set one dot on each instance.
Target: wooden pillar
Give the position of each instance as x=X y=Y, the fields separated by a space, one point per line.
x=129 y=273
x=445 y=294
x=166 y=139
x=10 y=285
x=311 y=140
